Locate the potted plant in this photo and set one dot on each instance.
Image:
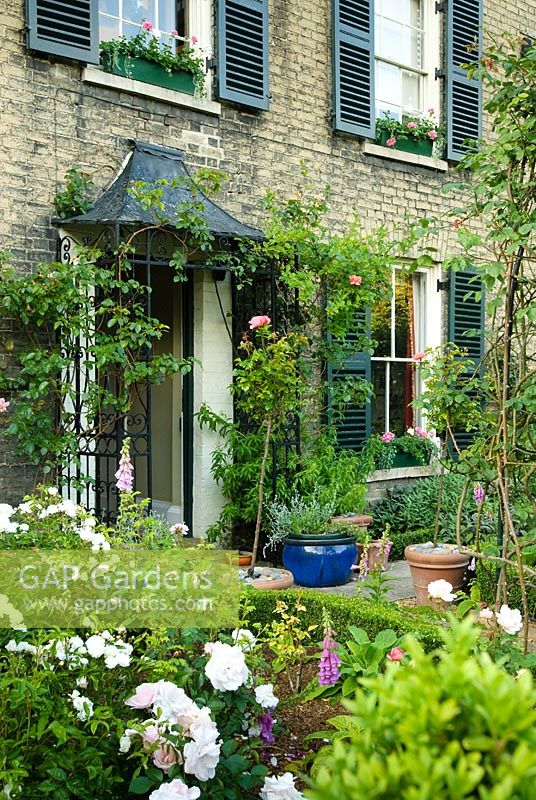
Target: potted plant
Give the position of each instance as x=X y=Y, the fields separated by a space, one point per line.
x=413 y=134
x=314 y=551
x=415 y=448
x=173 y=65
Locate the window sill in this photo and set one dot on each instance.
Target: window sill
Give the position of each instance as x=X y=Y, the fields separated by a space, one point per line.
x=370 y=149
x=98 y=77
x=403 y=472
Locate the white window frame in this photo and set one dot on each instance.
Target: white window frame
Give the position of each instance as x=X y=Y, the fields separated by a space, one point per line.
x=427 y=332
x=430 y=89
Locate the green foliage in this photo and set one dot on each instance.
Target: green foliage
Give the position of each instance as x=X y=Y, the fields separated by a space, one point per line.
x=418 y=130
x=377 y=454
x=145 y=45
x=76 y=198
x=331 y=475
x=289 y=637
x=299 y=517
x=136 y=527
x=414 y=509
x=454 y=726
x=343 y=612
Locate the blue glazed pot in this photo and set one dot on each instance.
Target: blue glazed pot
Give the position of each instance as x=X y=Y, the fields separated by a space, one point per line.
x=314 y=564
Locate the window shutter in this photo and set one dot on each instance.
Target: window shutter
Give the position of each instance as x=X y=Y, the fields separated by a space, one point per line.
x=67 y=28
x=466 y=322
x=243 y=52
x=353 y=66
x=353 y=425
x=463 y=95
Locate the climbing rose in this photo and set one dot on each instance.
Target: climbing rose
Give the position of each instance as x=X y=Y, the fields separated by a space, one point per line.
x=478 y=494
x=258 y=322
x=441 y=590
x=387 y=437
x=329 y=667
x=194 y=39
x=355 y=280
x=432 y=134
x=125 y=474
x=147 y=26
x=391 y=142
x=396 y=654
x=411 y=125
x=418 y=356
x=510 y=619
x=4 y=405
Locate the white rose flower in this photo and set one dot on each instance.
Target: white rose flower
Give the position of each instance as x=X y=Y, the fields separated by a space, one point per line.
x=226 y=668
x=510 y=619
x=21 y=647
x=82 y=683
x=201 y=756
x=265 y=697
x=280 y=788
x=52 y=491
x=244 y=639
x=95 y=645
x=68 y=507
x=170 y=791
x=6 y=510
x=441 y=590
x=118 y=654
x=124 y=744
x=485 y=614
x=25 y=508
x=83 y=705
x=170 y=702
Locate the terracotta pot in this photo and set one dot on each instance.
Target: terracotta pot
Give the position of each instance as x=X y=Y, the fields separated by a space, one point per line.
x=361 y=520
x=375 y=559
x=244 y=558
x=429 y=563
x=284 y=580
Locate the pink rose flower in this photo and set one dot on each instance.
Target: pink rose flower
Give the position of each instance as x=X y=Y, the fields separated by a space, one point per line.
x=4 y=405
x=174 y=33
x=194 y=39
x=411 y=125
x=432 y=134
x=165 y=757
x=144 y=697
x=430 y=111
x=355 y=280
x=146 y=25
x=418 y=357
x=387 y=437
x=150 y=736
x=391 y=142
x=396 y=654
x=258 y=322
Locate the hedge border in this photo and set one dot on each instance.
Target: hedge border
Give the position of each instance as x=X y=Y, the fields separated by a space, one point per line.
x=343 y=611
x=486 y=577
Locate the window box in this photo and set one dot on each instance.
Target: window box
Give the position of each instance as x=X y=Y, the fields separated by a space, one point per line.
x=140 y=69
x=407 y=460
x=421 y=147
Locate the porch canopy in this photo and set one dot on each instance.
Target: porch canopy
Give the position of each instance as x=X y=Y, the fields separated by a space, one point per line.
x=152 y=163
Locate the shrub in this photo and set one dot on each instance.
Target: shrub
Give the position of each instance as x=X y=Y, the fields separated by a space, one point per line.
x=415 y=509
x=454 y=725
x=343 y=612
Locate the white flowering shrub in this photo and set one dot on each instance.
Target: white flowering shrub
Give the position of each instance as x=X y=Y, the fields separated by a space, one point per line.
x=102 y=714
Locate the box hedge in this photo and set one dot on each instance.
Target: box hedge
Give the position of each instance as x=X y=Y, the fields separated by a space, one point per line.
x=486 y=577
x=259 y=606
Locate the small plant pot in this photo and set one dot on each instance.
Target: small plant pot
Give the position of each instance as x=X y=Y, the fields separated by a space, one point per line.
x=432 y=563
x=244 y=558
x=315 y=564
x=376 y=560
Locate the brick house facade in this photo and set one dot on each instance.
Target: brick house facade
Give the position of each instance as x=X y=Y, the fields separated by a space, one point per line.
x=56 y=112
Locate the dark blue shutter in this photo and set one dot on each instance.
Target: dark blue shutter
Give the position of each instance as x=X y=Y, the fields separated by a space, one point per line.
x=67 y=28
x=353 y=66
x=466 y=322
x=352 y=424
x=243 y=52
x=463 y=94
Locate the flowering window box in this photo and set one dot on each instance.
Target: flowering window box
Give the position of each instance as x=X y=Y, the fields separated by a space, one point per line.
x=140 y=69
x=421 y=147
